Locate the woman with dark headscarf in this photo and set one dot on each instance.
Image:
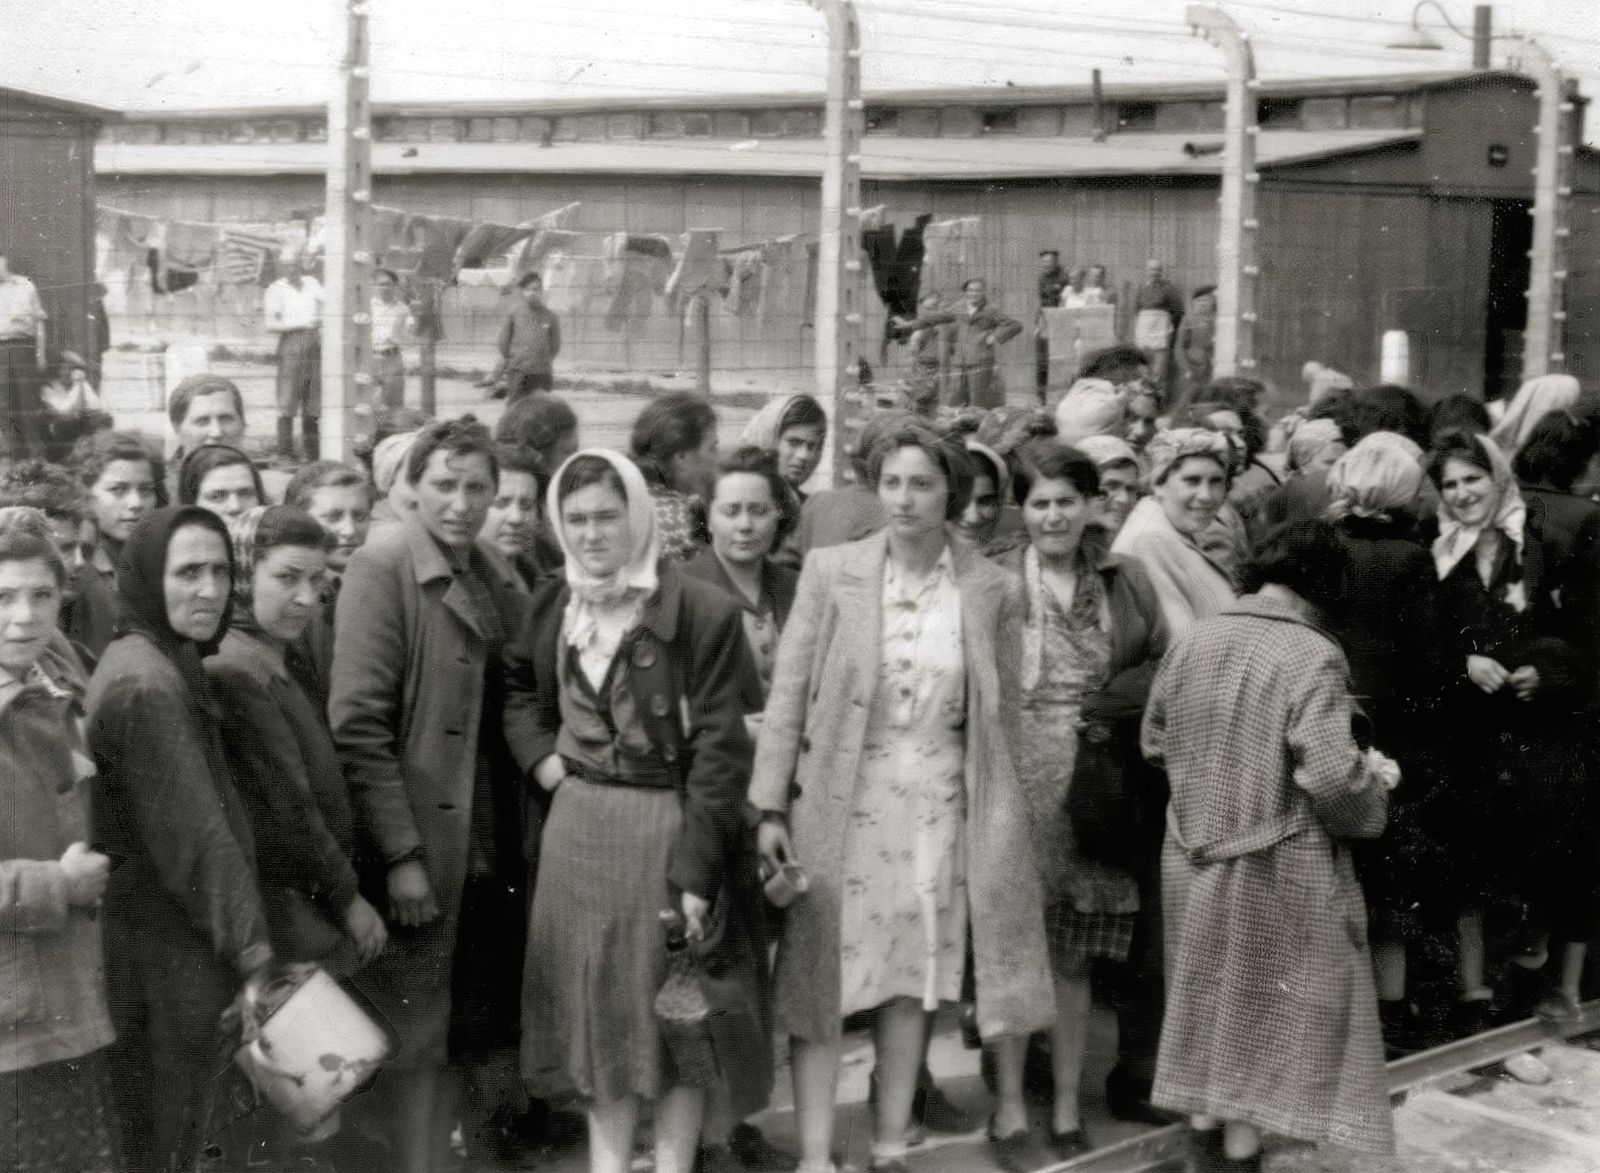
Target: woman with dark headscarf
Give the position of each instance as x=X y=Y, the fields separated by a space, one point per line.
x=184 y=922
x=221 y=479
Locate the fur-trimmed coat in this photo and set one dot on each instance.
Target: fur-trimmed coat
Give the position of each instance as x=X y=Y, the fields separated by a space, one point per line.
x=808 y=759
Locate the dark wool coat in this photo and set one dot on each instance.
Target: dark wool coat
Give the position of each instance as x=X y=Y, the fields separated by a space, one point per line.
x=405 y=703
x=52 y=972
x=1271 y=1015
x=288 y=774
x=778 y=582
x=689 y=644
x=808 y=759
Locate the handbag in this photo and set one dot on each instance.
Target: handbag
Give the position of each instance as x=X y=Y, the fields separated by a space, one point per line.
x=1107 y=810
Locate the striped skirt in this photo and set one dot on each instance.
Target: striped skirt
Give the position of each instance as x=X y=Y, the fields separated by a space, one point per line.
x=596 y=952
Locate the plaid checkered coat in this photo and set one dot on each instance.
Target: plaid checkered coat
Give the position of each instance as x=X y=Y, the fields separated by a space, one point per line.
x=1271 y=1014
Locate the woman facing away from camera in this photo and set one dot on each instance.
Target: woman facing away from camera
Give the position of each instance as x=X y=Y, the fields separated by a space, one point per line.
x=627 y=687
x=674 y=444
x=1271 y=1022
x=884 y=768
x=54 y=1022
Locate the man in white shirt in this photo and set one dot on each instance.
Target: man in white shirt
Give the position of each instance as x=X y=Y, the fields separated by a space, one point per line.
x=22 y=365
x=391 y=322
x=294 y=314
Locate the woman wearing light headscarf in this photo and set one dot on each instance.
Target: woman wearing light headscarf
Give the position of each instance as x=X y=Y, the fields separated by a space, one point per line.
x=1387 y=627
x=1511 y=712
x=793 y=429
x=626 y=692
x=1532 y=400
x=1118 y=466
x=396 y=497
x=1175 y=532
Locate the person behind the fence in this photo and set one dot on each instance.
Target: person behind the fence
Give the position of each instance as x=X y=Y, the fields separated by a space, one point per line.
x=627 y=689
x=979 y=328
x=1519 y=683
x=423 y=613
x=1092 y=634
x=185 y=928
x=221 y=479
x=54 y=1114
x=88 y=602
x=285 y=766
x=529 y=342
x=293 y=307
x=392 y=325
x=674 y=443
x=1271 y=1019
x=884 y=769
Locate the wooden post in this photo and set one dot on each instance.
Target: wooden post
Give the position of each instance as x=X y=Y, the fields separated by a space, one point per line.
x=1237 y=223
x=1543 y=348
x=347 y=264
x=839 y=268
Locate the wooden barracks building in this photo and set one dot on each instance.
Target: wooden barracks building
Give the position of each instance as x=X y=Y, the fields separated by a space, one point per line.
x=1396 y=202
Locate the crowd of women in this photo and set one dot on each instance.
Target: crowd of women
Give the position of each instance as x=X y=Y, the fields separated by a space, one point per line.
x=1286 y=756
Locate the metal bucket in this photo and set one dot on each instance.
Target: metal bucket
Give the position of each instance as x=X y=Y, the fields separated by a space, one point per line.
x=313 y=1048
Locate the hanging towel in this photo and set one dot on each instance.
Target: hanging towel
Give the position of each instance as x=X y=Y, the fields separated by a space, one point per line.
x=744 y=286
x=699 y=269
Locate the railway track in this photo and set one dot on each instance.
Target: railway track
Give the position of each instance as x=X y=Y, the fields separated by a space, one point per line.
x=1447 y=1119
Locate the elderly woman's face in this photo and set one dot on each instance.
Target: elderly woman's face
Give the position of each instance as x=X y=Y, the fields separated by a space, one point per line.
x=30 y=601
x=1468 y=492
x=914 y=492
x=198 y=581
x=594 y=520
x=1193 y=493
x=982 y=514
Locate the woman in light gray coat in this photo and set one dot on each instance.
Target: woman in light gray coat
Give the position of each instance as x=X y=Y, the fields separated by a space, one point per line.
x=1271 y=1021
x=892 y=707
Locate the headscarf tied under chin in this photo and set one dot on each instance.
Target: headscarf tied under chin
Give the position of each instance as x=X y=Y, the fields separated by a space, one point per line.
x=1456 y=540
x=1533 y=400
x=1172 y=447
x=1376 y=479
x=142 y=589
x=603 y=608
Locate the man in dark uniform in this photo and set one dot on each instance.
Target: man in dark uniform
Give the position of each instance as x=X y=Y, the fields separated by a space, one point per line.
x=1052 y=280
x=529 y=343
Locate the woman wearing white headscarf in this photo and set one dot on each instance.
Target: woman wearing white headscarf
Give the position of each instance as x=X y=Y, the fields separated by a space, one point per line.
x=1387 y=627
x=1511 y=715
x=1532 y=400
x=626 y=691
x=1175 y=531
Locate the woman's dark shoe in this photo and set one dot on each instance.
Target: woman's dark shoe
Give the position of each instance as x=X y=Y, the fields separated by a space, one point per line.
x=1205 y=1150
x=755 y=1152
x=1128 y=1098
x=1067 y=1145
x=1021 y=1152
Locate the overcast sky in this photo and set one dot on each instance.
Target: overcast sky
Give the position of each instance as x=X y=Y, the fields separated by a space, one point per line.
x=178 y=54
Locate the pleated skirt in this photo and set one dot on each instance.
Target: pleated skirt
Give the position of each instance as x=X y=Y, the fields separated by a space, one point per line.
x=596 y=951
